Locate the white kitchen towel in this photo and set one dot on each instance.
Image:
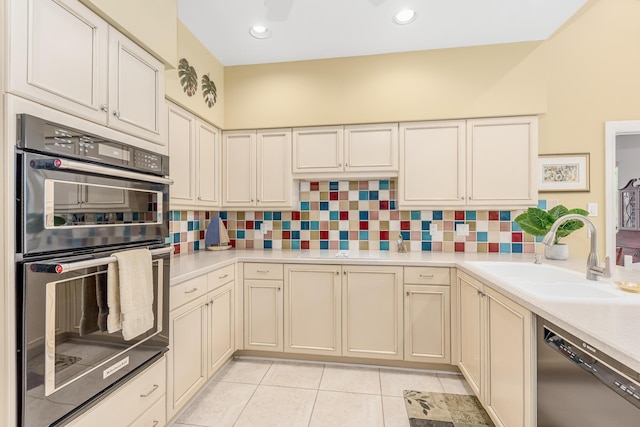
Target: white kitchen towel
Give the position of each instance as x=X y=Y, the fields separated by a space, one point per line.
x=135 y=279
x=114 y=322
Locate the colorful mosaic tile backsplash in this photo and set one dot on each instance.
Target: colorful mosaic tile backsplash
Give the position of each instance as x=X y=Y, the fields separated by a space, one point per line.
x=356 y=215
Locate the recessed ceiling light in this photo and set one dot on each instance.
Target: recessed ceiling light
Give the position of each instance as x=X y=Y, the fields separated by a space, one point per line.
x=260 y=32
x=404 y=17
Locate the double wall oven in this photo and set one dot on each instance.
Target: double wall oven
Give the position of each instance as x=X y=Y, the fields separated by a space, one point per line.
x=79 y=199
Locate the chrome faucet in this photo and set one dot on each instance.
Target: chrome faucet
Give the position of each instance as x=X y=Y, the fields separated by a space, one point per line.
x=593 y=262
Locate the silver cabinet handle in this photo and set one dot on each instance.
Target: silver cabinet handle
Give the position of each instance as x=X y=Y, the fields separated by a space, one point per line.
x=262 y=271
x=339 y=165
x=116 y=113
x=278 y=288
x=104 y=108
x=191 y=291
x=223 y=277
x=427 y=276
x=155 y=387
x=407 y=293
x=155 y=423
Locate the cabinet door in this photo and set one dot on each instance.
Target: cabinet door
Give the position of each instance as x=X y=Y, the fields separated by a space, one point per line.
x=427 y=324
x=312 y=309
x=371 y=148
x=208 y=160
x=501 y=159
x=187 y=355
x=221 y=326
x=136 y=89
x=273 y=159
x=372 y=312
x=509 y=370
x=318 y=149
x=263 y=315
x=182 y=167
x=239 y=169
x=58 y=56
x=432 y=164
x=469 y=312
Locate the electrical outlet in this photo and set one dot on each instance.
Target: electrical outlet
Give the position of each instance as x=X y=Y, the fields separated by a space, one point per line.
x=462 y=229
x=592 y=208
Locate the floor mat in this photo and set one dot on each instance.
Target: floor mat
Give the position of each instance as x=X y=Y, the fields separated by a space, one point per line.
x=427 y=409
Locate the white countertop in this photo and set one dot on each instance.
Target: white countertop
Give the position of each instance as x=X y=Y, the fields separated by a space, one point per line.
x=608 y=325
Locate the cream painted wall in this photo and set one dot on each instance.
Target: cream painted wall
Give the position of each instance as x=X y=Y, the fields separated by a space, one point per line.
x=200 y=58
x=151 y=23
x=495 y=80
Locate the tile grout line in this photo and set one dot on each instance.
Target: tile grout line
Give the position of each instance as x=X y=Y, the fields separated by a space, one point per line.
x=252 y=394
x=315 y=400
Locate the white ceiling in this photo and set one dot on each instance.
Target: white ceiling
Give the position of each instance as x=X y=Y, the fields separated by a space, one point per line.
x=314 y=29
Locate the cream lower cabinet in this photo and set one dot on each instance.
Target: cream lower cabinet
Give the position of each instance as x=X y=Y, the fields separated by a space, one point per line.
x=263 y=305
x=312 y=309
x=372 y=320
x=201 y=337
x=427 y=314
x=496 y=352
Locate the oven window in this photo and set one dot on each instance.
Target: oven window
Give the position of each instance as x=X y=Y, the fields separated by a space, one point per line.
x=72 y=204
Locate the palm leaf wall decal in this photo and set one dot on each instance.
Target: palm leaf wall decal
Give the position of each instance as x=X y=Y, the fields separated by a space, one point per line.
x=188 y=77
x=209 y=91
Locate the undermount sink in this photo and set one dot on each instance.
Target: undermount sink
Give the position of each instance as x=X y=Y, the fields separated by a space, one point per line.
x=548 y=281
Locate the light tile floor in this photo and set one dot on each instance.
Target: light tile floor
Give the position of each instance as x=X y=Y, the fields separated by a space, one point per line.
x=257 y=392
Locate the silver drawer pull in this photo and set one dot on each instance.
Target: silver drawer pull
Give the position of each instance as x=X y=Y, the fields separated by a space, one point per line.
x=191 y=291
x=427 y=276
x=155 y=423
x=262 y=271
x=223 y=277
x=155 y=387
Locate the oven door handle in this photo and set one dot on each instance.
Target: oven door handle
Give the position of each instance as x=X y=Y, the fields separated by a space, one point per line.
x=57 y=164
x=79 y=265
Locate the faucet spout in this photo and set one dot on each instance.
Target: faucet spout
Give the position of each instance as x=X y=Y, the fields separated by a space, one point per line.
x=594 y=270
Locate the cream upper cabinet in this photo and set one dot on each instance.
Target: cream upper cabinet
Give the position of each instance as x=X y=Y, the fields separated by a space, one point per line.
x=372 y=320
x=194 y=155
x=312 y=316
x=65 y=56
x=352 y=151
x=502 y=155
x=496 y=352
x=263 y=310
x=427 y=314
x=256 y=169
x=480 y=163
x=432 y=164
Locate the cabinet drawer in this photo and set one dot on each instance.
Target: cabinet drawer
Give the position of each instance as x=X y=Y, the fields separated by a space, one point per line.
x=154 y=417
x=187 y=291
x=427 y=275
x=263 y=271
x=221 y=276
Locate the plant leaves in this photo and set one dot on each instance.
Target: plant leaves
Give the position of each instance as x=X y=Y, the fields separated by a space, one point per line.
x=188 y=77
x=209 y=91
x=558 y=211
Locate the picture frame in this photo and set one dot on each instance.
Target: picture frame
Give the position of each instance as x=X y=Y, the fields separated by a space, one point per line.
x=563 y=172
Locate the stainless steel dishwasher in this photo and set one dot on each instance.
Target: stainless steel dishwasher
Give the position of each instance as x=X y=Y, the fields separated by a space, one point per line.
x=580 y=386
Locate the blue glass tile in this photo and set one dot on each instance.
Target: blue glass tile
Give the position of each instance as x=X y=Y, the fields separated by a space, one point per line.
x=505 y=248
x=344 y=245
x=515 y=227
x=304 y=206
x=223 y=215
x=256 y=225
x=384 y=184
x=196 y=245
x=196 y=225
x=542 y=204
x=295 y=235
x=176 y=237
x=505 y=216
x=415 y=215
x=426 y=225
x=437 y=215
x=344 y=235
x=373 y=195
x=304 y=225
x=268 y=216
x=516 y=248
x=167 y=240
x=406 y=235
x=286 y=225
x=268 y=244
x=482 y=236
x=539 y=239
x=324 y=206
x=363 y=195
x=426 y=246
x=384 y=245
x=426 y=235
x=333 y=185
x=392 y=205
x=189 y=225
x=176 y=215
x=135 y=216
x=334 y=216
x=324 y=244
x=364 y=215
x=470 y=215
x=315 y=225
x=295 y=244
x=364 y=235
x=240 y=234
x=277 y=216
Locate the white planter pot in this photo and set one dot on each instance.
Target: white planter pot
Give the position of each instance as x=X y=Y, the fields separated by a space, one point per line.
x=557 y=252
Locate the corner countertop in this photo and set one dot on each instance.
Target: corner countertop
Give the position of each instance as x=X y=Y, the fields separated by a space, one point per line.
x=609 y=326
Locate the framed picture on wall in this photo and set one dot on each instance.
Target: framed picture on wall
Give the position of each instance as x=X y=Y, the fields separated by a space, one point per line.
x=563 y=172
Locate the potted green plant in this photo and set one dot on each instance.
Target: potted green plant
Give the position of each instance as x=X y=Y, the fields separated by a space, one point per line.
x=538 y=222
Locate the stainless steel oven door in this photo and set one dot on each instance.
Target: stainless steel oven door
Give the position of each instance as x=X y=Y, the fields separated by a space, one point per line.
x=67 y=205
x=65 y=357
